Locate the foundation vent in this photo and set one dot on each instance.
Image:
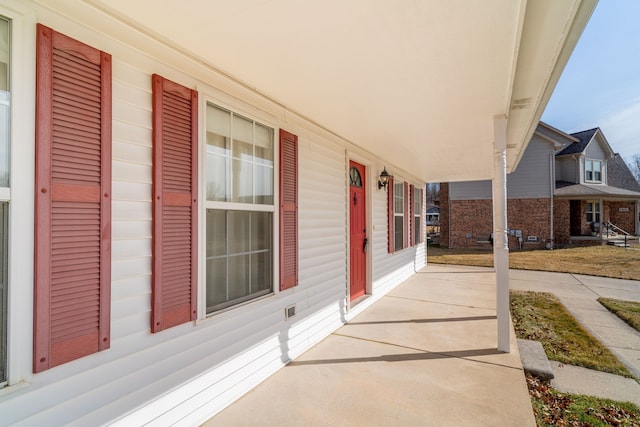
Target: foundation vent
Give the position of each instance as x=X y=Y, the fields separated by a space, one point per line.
x=290 y=311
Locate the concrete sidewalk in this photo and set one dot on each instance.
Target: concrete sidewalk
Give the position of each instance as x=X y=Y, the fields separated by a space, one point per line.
x=423 y=355
x=579 y=294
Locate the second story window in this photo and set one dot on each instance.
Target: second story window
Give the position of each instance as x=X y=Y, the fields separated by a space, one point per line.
x=593 y=170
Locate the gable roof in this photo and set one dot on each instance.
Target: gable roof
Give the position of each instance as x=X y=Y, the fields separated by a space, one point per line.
x=583 y=137
x=619 y=175
x=554 y=136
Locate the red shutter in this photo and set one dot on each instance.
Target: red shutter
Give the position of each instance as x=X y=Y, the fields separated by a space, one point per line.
x=72 y=200
x=412 y=222
x=405 y=237
x=422 y=218
x=288 y=210
x=391 y=240
x=175 y=204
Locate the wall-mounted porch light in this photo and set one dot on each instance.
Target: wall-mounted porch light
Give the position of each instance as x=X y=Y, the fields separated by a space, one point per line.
x=383 y=179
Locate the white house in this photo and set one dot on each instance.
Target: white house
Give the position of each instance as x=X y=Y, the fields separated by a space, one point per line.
x=189 y=192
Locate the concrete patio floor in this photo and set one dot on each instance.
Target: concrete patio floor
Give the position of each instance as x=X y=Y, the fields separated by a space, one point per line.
x=423 y=355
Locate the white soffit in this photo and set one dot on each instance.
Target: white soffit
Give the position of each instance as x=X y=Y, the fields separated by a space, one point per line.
x=417 y=83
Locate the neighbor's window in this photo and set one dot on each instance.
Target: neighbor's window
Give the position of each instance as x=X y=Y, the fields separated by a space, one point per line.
x=593 y=212
x=593 y=170
x=239 y=217
x=398 y=214
x=5 y=114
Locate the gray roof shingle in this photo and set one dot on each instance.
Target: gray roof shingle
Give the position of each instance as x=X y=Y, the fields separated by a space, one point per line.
x=583 y=139
x=619 y=175
x=564 y=188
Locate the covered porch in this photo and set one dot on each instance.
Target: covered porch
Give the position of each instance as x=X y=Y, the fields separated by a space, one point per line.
x=607 y=215
x=407 y=94
x=424 y=354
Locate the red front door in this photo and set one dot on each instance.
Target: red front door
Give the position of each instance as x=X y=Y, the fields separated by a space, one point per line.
x=358 y=232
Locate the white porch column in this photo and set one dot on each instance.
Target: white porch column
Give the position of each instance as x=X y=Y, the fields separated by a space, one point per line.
x=601 y=219
x=500 y=240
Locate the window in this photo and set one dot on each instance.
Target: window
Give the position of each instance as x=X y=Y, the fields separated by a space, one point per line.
x=398 y=214
x=355 y=180
x=417 y=215
x=5 y=116
x=239 y=208
x=593 y=170
x=5 y=100
x=593 y=212
x=72 y=200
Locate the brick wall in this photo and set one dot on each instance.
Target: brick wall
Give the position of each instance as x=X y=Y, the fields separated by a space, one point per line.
x=624 y=220
x=561 y=223
x=444 y=214
x=471 y=222
x=532 y=216
x=468 y=223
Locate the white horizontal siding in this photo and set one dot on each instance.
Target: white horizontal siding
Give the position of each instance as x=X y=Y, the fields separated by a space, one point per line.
x=567 y=169
x=594 y=150
x=532 y=178
x=470 y=190
x=389 y=270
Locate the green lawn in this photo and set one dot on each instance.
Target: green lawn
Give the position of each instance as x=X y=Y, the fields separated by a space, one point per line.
x=628 y=311
x=541 y=317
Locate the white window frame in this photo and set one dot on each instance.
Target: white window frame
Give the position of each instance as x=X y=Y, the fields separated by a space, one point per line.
x=417 y=214
x=211 y=97
x=5 y=197
x=593 y=209
x=589 y=168
x=20 y=194
x=396 y=214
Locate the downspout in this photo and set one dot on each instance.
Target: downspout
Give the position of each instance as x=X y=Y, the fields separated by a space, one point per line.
x=552 y=187
x=637 y=217
x=449 y=215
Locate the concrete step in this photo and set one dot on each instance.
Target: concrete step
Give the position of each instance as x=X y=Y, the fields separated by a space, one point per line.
x=618 y=244
x=534 y=359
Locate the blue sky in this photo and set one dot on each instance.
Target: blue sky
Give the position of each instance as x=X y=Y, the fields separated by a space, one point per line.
x=600 y=86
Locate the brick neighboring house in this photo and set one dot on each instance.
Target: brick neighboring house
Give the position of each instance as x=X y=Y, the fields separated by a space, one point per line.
x=569 y=189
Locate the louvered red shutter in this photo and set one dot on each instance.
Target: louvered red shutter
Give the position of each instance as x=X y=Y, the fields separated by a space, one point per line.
x=405 y=237
x=412 y=240
x=72 y=200
x=391 y=241
x=175 y=204
x=422 y=217
x=288 y=210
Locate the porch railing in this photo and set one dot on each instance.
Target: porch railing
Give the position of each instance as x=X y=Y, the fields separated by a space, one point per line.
x=618 y=230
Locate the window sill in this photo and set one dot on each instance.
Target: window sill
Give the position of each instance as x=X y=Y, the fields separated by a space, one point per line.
x=14 y=388
x=234 y=308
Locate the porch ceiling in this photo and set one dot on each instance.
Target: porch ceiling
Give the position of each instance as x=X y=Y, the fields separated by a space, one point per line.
x=417 y=83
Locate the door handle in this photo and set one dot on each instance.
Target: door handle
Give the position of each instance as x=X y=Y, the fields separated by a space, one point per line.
x=366 y=245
